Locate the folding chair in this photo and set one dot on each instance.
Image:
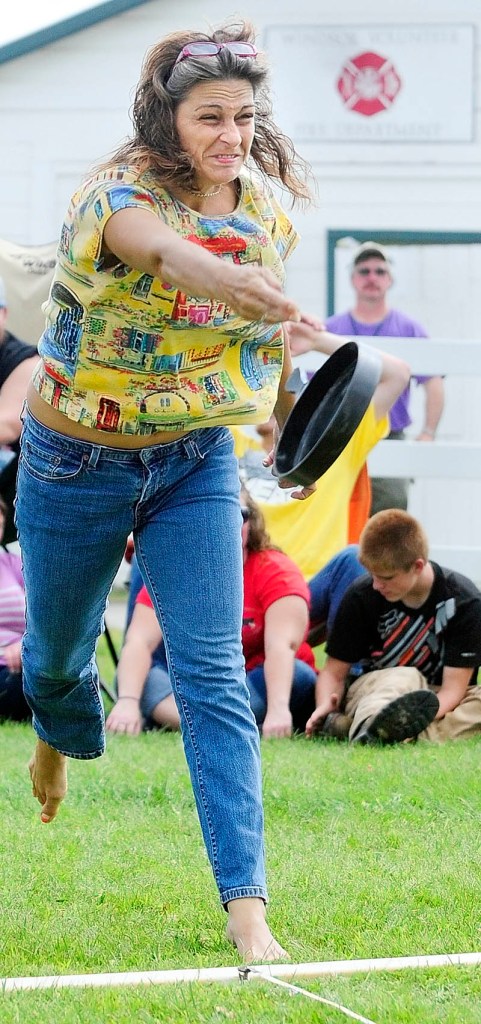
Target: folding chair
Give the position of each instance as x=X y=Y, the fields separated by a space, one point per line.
x=109 y=692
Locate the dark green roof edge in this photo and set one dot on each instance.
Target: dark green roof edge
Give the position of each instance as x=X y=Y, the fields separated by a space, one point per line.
x=60 y=29
x=389 y=236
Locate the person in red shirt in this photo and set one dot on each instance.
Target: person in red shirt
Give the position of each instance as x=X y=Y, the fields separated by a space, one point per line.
x=281 y=671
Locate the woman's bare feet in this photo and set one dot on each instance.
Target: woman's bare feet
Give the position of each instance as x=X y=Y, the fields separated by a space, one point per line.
x=48 y=772
x=247 y=929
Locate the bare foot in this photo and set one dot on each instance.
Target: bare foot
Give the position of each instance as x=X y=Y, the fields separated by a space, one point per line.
x=48 y=772
x=247 y=929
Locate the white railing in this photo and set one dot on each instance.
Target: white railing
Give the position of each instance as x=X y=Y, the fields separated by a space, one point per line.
x=445 y=459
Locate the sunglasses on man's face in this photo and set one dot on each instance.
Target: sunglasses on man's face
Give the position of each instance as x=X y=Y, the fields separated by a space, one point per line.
x=203 y=48
x=365 y=271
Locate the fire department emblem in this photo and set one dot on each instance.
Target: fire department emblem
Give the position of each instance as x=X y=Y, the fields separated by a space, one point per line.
x=369 y=83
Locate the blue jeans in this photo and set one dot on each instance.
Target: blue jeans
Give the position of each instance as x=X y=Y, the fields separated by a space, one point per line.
x=302 y=702
x=76 y=504
x=329 y=585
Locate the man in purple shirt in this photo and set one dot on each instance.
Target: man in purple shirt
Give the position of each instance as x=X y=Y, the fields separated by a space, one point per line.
x=371 y=316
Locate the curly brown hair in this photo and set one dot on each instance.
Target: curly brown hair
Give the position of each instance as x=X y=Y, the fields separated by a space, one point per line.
x=258 y=538
x=155 y=144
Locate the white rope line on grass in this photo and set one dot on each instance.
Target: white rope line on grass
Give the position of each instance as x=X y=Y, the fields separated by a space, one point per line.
x=311 y=995
x=224 y=974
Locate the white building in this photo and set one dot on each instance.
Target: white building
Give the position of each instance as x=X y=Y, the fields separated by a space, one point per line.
x=382 y=98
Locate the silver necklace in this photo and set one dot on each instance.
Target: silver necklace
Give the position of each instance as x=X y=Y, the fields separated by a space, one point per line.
x=205 y=195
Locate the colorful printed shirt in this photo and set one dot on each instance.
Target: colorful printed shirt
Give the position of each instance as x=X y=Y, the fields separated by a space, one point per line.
x=125 y=352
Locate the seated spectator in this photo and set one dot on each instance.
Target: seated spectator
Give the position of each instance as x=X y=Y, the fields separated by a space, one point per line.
x=280 y=664
x=415 y=629
x=281 y=673
x=13 y=705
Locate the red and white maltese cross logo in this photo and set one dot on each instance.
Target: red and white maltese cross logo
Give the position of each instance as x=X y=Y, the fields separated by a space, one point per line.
x=369 y=83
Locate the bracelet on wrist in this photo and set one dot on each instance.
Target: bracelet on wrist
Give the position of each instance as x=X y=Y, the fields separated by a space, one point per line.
x=128 y=696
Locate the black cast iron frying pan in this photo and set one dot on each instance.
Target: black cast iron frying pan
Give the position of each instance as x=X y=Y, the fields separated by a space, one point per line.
x=326 y=414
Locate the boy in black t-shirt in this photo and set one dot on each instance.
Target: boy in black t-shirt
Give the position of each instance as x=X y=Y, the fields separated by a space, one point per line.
x=414 y=631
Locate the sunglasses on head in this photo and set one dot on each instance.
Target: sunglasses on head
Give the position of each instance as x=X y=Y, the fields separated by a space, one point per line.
x=203 y=48
x=378 y=271
x=245 y=513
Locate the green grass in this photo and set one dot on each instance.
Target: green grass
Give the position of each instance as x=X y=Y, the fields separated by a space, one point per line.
x=370 y=852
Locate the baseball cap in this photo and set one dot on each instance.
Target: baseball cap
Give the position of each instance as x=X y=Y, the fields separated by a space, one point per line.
x=3 y=298
x=368 y=250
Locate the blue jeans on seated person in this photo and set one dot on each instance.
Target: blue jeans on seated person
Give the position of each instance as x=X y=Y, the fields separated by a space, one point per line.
x=302 y=702
x=157 y=685
x=329 y=585
x=77 y=503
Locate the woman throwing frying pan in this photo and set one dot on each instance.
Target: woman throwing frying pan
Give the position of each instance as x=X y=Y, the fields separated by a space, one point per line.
x=163 y=327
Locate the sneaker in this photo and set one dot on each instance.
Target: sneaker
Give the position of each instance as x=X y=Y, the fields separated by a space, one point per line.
x=336 y=725
x=402 y=719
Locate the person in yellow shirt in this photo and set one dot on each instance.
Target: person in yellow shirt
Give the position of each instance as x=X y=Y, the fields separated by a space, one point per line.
x=315 y=532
